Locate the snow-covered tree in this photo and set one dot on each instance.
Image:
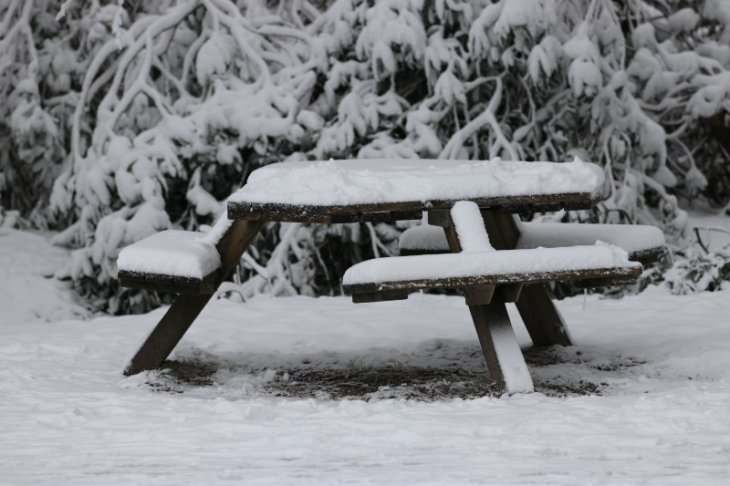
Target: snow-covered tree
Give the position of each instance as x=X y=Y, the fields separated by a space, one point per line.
x=31 y=149
x=160 y=109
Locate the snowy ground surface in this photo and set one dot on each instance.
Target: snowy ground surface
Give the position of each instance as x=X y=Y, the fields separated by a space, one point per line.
x=320 y=391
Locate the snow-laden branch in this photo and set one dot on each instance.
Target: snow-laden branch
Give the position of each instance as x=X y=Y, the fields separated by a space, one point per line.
x=487 y=117
x=176 y=110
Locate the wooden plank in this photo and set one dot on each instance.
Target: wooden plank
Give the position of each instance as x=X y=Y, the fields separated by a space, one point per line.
x=235 y=241
x=624 y=273
x=451 y=236
x=439 y=217
x=169 y=283
x=413 y=251
x=542 y=319
x=501 y=228
x=178 y=318
x=479 y=295
x=406 y=215
x=502 y=353
x=367 y=212
x=167 y=333
x=507 y=293
x=369 y=297
x=603 y=282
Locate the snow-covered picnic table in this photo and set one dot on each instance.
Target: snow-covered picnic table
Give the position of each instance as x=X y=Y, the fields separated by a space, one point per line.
x=471 y=202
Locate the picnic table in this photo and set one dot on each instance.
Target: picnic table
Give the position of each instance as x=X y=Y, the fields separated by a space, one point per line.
x=492 y=257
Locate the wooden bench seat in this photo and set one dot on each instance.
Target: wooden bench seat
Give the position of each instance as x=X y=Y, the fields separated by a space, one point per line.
x=395 y=277
x=477 y=264
x=183 y=262
x=643 y=243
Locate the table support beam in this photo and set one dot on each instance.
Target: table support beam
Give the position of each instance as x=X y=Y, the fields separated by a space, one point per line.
x=535 y=305
x=178 y=318
x=501 y=350
x=502 y=353
x=542 y=319
x=168 y=332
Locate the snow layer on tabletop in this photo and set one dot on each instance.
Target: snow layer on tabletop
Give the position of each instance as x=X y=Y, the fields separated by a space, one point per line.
x=172 y=252
x=344 y=182
x=469 y=227
x=455 y=265
x=629 y=237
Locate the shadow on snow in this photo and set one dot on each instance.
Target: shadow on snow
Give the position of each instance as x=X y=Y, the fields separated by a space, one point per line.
x=435 y=370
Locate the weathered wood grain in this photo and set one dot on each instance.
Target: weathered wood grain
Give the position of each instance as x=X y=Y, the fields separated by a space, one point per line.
x=498 y=279
x=369 y=297
x=541 y=317
x=392 y=211
x=169 y=283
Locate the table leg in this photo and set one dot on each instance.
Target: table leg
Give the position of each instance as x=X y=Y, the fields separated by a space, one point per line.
x=168 y=332
x=535 y=305
x=501 y=350
x=178 y=318
x=542 y=319
x=504 y=358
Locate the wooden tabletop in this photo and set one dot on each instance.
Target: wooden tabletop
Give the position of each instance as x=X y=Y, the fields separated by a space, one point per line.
x=386 y=190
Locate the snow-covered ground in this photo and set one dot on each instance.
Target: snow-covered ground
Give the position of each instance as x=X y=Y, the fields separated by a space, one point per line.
x=256 y=397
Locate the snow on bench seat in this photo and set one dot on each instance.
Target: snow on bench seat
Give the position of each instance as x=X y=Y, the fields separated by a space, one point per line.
x=470 y=269
x=642 y=242
x=171 y=260
x=328 y=190
x=637 y=240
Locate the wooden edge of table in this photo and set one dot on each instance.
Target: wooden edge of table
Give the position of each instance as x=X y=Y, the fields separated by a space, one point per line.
x=170 y=283
x=393 y=211
x=424 y=251
x=615 y=274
